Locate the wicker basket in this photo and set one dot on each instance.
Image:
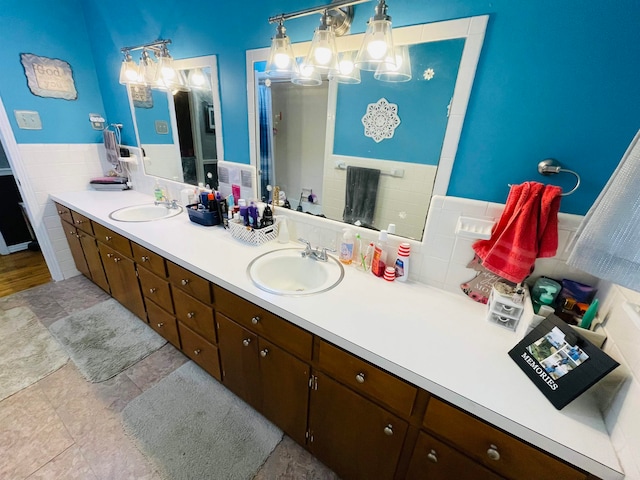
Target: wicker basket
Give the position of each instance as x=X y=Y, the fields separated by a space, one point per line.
x=253 y=236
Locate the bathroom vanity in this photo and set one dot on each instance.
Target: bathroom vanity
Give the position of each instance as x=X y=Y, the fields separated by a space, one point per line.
x=378 y=380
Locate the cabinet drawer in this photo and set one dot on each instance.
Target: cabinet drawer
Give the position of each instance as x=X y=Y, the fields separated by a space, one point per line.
x=434 y=460
x=150 y=260
x=64 y=213
x=191 y=283
x=493 y=448
x=264 y=323
x=156 y=289
x=200 y=351
x=113 y=239
x=366 y=378
x=195 y=314
x=82 y=222
x=164 y=323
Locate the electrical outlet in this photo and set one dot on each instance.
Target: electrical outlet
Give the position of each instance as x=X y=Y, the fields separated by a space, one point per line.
x=28 y=120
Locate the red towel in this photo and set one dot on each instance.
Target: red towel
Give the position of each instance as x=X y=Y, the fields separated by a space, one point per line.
x=527 y=229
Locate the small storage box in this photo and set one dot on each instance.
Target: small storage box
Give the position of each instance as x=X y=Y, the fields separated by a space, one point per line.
x=253 y=236
x=504 y=311
x=203 y=217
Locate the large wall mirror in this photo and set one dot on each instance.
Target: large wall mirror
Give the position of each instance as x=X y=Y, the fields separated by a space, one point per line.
x=319 y=143
x=180 y=131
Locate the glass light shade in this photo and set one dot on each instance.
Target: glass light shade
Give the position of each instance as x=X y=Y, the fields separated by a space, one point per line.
x=323 y=54
x=346 y=71
x=147 y=70
x=281 y=62
x=400 y=72
x=307 y=76
x=167 y=77
x=128 y=71
x=196 y=78
x=377 y=44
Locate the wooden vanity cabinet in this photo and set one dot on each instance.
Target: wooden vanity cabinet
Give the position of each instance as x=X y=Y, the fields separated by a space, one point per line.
x=493 y=448
x=73 y=239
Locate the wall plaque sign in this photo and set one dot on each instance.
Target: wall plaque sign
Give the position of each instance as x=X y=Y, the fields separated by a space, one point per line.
x=49 y=77
x=141 y=96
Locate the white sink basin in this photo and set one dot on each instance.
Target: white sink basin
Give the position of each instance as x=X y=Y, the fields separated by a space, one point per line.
x=286 y=272
x=144 y=213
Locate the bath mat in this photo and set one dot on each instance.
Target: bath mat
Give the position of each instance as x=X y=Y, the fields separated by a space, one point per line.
x=28 y=352
x=190 y=426
x=105 y=339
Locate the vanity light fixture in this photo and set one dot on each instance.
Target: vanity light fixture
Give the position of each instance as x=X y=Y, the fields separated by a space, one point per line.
x=398 y=72
x=197 y=79
x=323 y=53
x=156 y=75
x=346 y=71
x=378 y=41
x=307 y=76
x=281 y=62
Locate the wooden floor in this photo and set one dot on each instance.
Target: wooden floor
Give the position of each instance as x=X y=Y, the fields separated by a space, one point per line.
x=22 y=270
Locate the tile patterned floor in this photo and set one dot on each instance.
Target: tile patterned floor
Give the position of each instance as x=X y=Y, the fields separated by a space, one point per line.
x=64 y=427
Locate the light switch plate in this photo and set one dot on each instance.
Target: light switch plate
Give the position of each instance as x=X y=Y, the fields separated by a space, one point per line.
x=162 y=127
x=28 y=120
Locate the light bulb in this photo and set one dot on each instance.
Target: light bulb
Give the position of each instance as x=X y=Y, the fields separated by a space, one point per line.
x=323 y=55
x=346 y=67
x=197 y=78
x=377 y=47
x=281 y=60
x=168 y=73
x=131 y=74
x=306 y=70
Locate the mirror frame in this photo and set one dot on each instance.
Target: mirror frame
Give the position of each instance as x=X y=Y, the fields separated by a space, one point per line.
x=472 y=29
x=210 y=61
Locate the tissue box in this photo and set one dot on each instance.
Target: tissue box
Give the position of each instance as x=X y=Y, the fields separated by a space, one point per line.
x=202 y=217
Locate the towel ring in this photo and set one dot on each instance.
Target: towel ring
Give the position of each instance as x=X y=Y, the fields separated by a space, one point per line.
x=551 y=166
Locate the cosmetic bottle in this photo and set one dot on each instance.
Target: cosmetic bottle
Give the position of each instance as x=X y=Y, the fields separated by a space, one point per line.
x=402 y=262
x=267 y=216
x=346 y=246
x=157 y=192
x=379 y=259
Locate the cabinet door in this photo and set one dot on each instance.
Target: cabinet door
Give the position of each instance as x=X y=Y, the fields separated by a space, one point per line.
x=355 y=437
x=285 y=390
x=240 y=361
x=121 y=274
x=94 y=263
x=73 y=238
x=433 y=460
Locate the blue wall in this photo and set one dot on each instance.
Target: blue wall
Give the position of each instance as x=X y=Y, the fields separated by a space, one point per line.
x=53 y=30
x=555 y=79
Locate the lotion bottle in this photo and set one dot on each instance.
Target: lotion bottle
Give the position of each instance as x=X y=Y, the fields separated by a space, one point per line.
x=379 y=259
x=402 y=262
x=346 y=246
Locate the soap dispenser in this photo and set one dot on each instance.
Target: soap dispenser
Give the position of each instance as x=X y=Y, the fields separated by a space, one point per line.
x=346 y=246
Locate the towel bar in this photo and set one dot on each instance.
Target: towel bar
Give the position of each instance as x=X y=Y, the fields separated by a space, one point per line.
x=398 y=172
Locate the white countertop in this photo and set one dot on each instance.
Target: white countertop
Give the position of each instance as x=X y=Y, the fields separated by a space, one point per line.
x=434 y=339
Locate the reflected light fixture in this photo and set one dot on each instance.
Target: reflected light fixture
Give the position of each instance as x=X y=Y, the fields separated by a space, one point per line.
x=156 y=75
x=196 y=78
x=378 y=41
x=307 y=76
x=281 y=62
x=346 y=71
x=323 y=53
x=400 y=71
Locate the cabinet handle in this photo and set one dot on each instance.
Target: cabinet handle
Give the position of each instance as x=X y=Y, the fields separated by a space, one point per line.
x=388 y=430
x=191 y=314
x=184 y=281
x=117 y=259
x=197 y=351
x=153 y=290
x=72 y=232
x=264 y=353
x=360 y=377
x=432 y=456
x=160 y=325
x=145 y=258
x=246 y=342
x=493 y=453
x=60 y=212
x=109 y=255
x=108 y=238
x=78 y=235
x=255 y=320
x=79 y=222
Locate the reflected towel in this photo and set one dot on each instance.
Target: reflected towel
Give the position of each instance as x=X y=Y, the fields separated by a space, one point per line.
x=360 y=195
x=527 y=229
x=608 y=244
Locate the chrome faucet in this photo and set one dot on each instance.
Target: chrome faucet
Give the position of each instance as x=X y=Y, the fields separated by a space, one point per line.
x=319 y=253
x=167 y=203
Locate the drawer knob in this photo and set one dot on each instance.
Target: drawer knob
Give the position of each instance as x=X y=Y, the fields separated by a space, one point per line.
x=432 y=456
x=191 y=314
x=108 y=238
x=493 y=453
x=388 y=430
x=109 y=255
x=60 y=212
x=184 y=281
x=79 y=222
x=160 y=325
x=153 y=290
x=78 y=235
x=145 y=258
x=72 y=232
x=264 y=353
x=246 y=342
x=255 y=320
x=117 y=259
x=197 y=351
x=360 y=377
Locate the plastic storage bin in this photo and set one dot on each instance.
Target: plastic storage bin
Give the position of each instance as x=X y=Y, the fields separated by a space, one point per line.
x=504 y=311
x=203 y=217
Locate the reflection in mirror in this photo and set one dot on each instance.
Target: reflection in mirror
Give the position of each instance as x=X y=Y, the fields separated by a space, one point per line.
x=372 y=153
x=180 y=131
